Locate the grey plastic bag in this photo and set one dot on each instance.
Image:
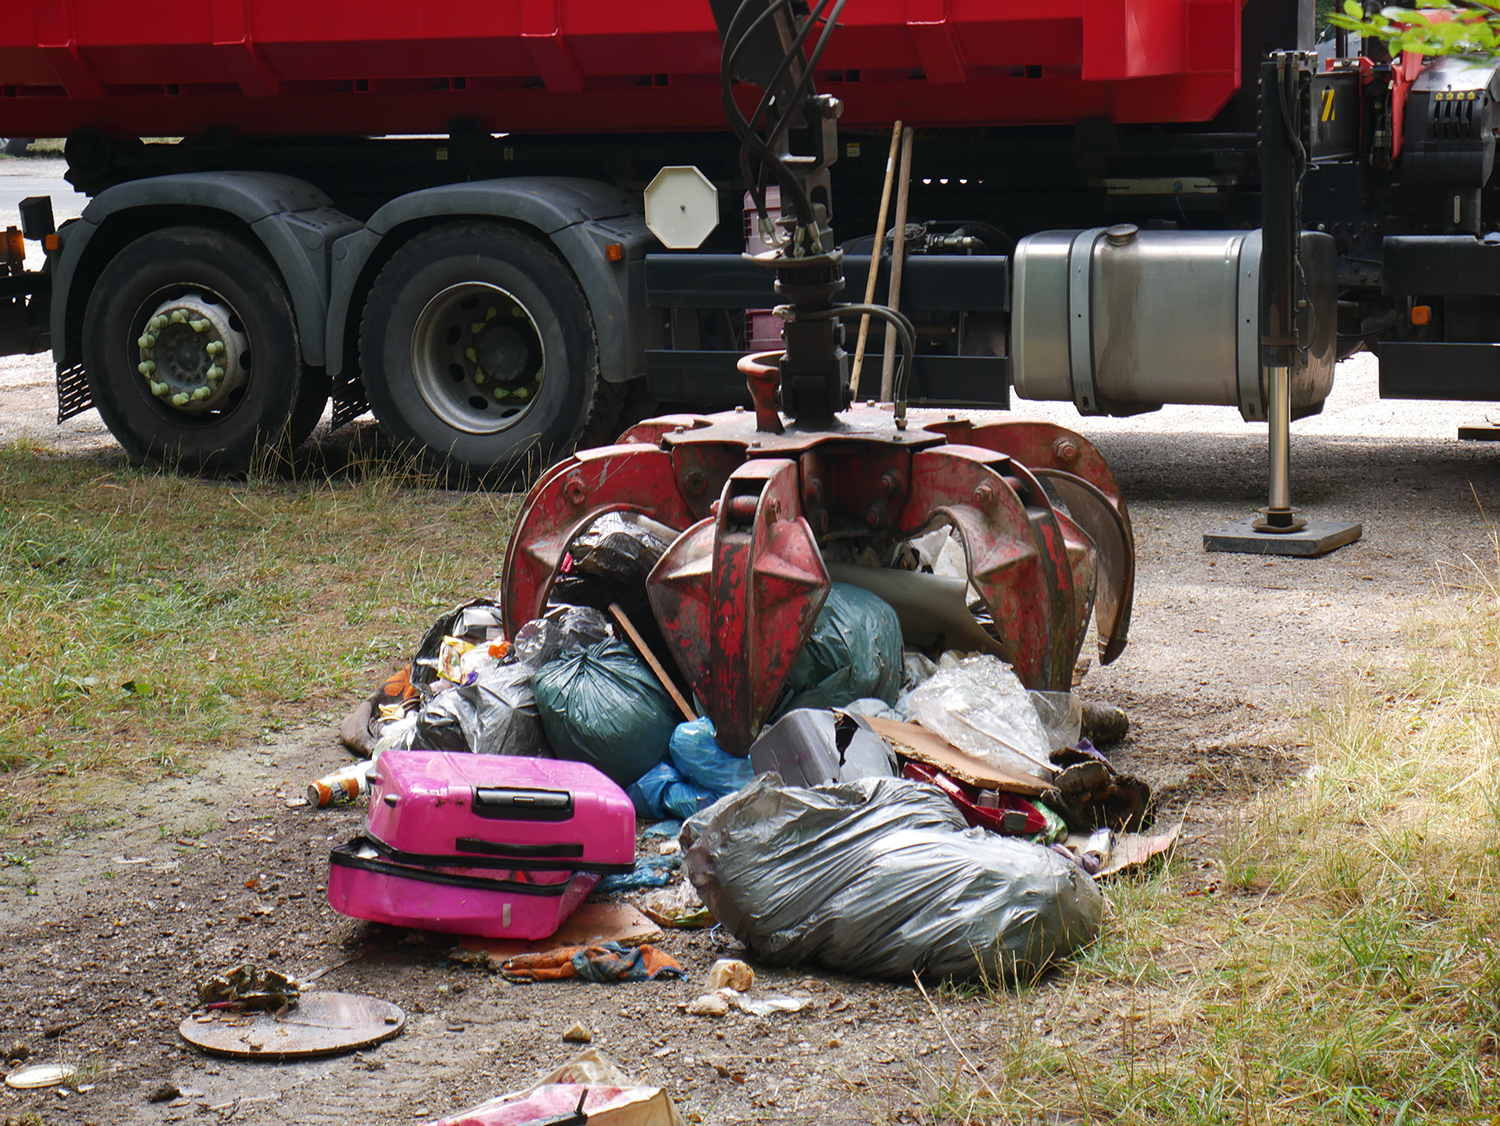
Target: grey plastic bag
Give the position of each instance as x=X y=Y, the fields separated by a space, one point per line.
x=880 y=878
x=496 y=715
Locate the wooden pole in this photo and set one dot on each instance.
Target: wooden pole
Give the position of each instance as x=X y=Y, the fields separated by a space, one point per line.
x=898 y=253
x=650 y=659
x=875 y=256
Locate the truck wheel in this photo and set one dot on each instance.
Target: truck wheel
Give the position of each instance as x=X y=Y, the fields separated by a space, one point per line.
x=478 y=349
x=191 y=349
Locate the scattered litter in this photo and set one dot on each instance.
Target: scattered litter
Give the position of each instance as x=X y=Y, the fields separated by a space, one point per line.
x=982 y=708
x=249 y=987
x=342 y=787
x=42 y=1075
x=810 y=746
x=668 y=829
x=577 y=1034
x=1091 y=794
x=603 y=706
x=994 y=810
x=495 y=845
x=733 y=973
x=1061 y=715
x=323 y=1024
x=720 y=1001
x=606 y=962
x=1128 y=852
x=708 y=1005
x=649 y=872
x=590 y=924
x=853 y=652
x=881 y=878
x=589 y=1089
x=676 y=906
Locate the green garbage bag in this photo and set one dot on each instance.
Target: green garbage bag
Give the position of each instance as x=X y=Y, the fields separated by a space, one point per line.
x=603 y=706
x=854 y=652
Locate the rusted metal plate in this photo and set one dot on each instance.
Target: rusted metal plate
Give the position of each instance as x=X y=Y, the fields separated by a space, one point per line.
x=322 y=1024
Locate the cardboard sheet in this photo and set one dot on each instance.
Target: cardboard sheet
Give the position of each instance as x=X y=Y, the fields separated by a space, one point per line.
x=916 y=742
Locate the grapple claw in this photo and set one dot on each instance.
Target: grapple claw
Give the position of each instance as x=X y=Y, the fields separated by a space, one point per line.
x=631 y=478
x=738 y=593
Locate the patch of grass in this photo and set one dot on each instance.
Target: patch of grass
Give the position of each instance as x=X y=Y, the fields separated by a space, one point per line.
x=145 y=616
x=1346 y=967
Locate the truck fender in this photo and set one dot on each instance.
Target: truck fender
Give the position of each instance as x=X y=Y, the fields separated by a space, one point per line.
x=295 y=222
x=580 y=217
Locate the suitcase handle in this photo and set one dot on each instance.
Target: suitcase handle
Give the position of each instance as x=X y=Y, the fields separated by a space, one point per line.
x=512 y=804
x=541 y=851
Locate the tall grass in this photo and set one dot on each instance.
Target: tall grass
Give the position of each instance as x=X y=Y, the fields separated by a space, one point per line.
x=147 y=616
x=1343 y=965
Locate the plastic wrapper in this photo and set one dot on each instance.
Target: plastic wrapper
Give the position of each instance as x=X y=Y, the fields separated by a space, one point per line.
x=560 y=631
x=603 y=706
x=880 y=878
x=702 y=761
x=981 y=707
x=1062 y=718
x=475 y=621
x=495 y=714
x=663 y=792
x=853 y=652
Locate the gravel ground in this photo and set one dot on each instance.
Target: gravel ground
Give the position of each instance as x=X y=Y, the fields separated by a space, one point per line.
x=1226 y=651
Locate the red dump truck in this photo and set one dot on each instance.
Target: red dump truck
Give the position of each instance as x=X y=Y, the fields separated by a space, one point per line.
x=437 y=212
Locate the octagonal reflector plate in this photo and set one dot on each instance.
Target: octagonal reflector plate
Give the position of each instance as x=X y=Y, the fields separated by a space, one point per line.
x=682 y=207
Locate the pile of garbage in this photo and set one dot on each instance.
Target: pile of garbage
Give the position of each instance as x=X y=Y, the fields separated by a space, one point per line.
x=904 y=810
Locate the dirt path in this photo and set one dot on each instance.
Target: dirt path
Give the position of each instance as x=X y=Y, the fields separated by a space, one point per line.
x=194 y=874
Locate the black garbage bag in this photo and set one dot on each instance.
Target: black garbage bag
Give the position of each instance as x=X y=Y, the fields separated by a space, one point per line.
x=853 y=653
x=477 y=620
x=880 y=877
x=495 y=715
x=609 y=562
x=558 y=632
x=606 y=708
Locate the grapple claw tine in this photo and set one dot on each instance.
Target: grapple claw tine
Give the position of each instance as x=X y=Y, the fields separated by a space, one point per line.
x=738 y=594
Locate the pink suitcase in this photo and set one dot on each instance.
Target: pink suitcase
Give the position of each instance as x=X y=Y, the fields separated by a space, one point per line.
x=493 y=845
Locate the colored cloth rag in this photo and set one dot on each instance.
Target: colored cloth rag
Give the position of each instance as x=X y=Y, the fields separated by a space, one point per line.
x=607 y=962
x=650 y=872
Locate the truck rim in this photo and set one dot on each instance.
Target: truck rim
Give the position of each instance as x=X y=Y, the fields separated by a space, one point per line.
x=192 y=351
x=477 y=357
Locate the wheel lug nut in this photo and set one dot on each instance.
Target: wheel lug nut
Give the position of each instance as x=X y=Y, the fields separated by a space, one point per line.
x=214 y=347
x=180 y=399
x=178 y=317
x=146 y=367
x=214 y=372
x=200 y=394
x=198 y=326
x=147 y=341
x=158 y=389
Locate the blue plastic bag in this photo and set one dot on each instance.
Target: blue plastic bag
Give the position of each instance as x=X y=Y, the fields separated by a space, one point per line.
x=702 y=761
x=662 y=792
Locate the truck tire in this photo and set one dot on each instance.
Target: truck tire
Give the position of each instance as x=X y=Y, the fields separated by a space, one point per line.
x=478 y=351
x=209 y=314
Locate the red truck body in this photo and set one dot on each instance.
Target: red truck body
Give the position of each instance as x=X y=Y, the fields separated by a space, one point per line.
x=340 y=67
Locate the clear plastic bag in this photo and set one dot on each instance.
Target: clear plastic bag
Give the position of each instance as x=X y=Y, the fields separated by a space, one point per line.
x=880 y=878
x=1062 y=717
x=982 y=708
